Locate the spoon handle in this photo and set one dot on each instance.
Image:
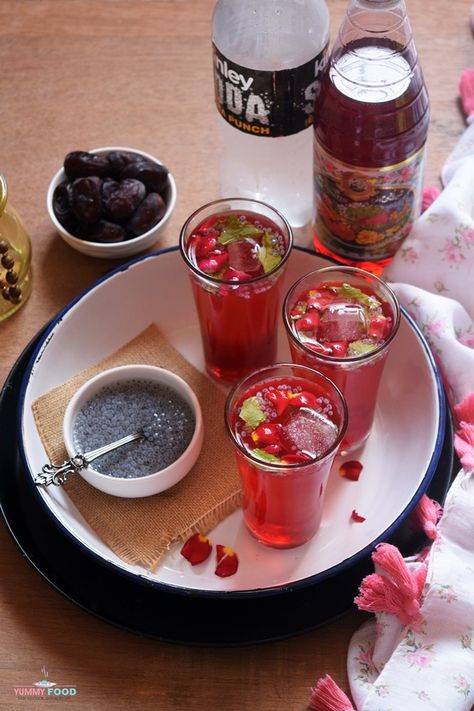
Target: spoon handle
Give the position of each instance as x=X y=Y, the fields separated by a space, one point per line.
x=57 y=474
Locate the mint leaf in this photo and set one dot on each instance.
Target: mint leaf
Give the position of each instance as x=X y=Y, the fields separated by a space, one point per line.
x=251 y=412
x=265 y=456
x=269 y=254
x=234 y=230
x=354 y=292
x=268 y=260
x=357 y=348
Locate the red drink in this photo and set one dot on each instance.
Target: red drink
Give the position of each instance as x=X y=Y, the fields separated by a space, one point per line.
x=286 y=423
x=341 y=321
x=236 y=250
x=371 y=124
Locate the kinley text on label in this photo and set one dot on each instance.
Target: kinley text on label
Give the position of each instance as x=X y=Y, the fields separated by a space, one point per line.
x=249 y=110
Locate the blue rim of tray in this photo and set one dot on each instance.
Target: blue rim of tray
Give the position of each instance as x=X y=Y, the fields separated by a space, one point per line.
x=312 y=580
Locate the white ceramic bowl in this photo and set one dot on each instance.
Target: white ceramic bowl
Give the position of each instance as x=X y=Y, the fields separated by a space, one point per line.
x=115 y=250
x=150 y=483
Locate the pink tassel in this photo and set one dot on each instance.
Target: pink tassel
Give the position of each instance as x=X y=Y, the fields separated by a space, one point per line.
x=327 y=696
x=430 y=193
x=466 y=89
x=398 y=591
x=465 y=409
x=426 y=515
x=464 y=445
x=423 y=554
x=464 y=437
x=390 y=559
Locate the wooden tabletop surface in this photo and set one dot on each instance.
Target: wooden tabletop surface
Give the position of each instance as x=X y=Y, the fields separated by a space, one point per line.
x=78 y=74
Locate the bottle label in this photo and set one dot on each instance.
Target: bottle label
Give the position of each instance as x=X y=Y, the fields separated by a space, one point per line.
x=266 y=103
x=365 y=213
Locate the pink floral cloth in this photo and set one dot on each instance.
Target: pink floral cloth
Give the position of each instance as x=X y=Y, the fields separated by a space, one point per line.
x=392 y=667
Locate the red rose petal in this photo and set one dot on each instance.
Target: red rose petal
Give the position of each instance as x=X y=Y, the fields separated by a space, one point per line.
x=196 y=549
x=351 y=470
x=227 y=561
x=357 y=517
x=278 y=399
x=267 y=433
x=304 y=399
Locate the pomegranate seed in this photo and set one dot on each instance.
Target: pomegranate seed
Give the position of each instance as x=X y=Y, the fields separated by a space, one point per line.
x=213 y=263
x=309 y=321
x=273 y=448
x=204 y=245
x=319 y=348
x=304 y=399
x=206 y=231
x=267 y=433
x=278 y=399
x=232 y=274
x=338 y=348
x=378 y=327
x=295 y=458
x=319 y=301
x=357 y=517
x=351 y=470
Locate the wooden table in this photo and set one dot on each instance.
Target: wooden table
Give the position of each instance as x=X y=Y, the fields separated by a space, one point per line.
x=77 y=74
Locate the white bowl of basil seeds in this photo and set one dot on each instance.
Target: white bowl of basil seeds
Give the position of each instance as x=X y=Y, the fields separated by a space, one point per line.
x=133 y=399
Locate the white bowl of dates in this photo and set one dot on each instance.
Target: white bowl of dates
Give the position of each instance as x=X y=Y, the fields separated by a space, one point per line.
x=111 y=202
x=132 y=399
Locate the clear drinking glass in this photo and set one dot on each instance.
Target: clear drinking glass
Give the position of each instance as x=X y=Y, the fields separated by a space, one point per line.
x=285 y=453
x=342 y=321
x=236 y=252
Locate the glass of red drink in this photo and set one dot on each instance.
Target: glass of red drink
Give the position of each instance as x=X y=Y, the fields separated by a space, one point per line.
x=236 y=250
x=341 y=321
x=286 y=422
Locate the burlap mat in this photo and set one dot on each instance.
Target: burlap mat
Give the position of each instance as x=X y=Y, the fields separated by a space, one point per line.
x=140 y=530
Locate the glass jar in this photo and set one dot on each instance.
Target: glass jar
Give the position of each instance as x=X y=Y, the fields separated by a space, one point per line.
x=15 y=257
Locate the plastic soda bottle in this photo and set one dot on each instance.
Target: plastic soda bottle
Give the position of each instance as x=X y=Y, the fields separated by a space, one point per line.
x=371 y=123
x=268 y=58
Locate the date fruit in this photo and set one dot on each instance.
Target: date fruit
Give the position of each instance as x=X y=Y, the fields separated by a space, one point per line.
x=124 y=200
x=107 y=232
x=62 y=203
x=87 y=199
x=147 y=215
x=152 y=175
x=112 y=197
x=118 y=160
x=80 y=164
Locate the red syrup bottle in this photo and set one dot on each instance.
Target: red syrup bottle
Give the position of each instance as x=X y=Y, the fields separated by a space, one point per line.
x=371 y=122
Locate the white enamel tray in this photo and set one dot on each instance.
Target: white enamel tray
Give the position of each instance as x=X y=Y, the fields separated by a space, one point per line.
x=399 y=458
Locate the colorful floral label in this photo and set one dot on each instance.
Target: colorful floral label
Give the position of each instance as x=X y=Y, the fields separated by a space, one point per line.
x=365 y=213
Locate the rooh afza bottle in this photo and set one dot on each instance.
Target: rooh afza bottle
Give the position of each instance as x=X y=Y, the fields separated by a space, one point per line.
x=268 y=58
x=371 y=123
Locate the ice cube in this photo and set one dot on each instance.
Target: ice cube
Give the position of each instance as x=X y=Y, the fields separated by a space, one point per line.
x=309 y=431
x=243 y=256
x=343 y=322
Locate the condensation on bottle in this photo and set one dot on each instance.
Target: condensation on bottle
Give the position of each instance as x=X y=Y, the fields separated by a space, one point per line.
x=371 y=125
x=268 y=59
